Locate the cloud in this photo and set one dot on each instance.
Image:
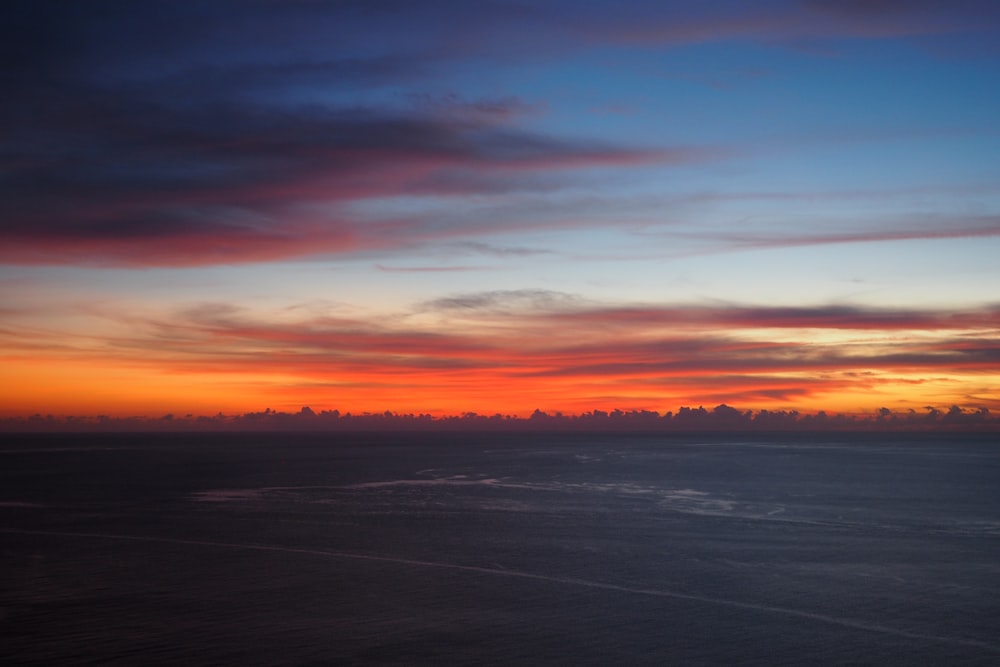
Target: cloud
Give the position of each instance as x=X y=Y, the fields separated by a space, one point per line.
x=952 y=228
x=430 y=269
x=524 y=300
x=721 y=418
x=256 y=196
x=119 y=183
x=456 y=107
x=785 y=22
x=872 y=230
x=522 y=343
x=806 y=317
x=177 y=136
x=500 y=250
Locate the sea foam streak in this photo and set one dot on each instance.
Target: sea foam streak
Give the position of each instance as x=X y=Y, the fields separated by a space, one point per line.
x=503 y=572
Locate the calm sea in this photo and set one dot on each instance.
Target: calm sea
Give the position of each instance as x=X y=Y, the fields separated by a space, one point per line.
x=500 y=549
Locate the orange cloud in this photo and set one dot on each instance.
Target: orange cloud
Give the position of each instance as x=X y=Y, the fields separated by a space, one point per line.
x=518 y=359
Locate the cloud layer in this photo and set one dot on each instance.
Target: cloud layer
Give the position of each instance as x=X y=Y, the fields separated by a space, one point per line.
x=182 y=133
x=521 y=350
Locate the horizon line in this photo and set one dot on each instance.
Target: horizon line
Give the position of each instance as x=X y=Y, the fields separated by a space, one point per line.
x=722 y=417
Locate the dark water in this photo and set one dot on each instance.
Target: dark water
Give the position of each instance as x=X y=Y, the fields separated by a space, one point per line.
x=466 y=549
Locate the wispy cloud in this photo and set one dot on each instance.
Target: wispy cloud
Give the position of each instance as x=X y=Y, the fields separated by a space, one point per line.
x=516 y=350
x=522 y=301
x=809 y=317
x=500 y=250
x=430 y=269
x=196 y=144
x=977 y=227
x=240 y=149
x=682 y=240
x=788 y=22
x=129 y=183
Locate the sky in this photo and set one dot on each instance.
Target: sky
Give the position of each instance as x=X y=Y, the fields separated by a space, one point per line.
x=495 y=207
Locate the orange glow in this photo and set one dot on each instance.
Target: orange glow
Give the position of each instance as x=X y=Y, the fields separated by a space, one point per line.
x=210 y=360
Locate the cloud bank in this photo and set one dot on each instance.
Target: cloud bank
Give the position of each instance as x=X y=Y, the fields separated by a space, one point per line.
x=515 y=351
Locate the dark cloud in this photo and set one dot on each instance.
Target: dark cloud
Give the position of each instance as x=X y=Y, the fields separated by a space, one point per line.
x=228 y=129
x=123 y=170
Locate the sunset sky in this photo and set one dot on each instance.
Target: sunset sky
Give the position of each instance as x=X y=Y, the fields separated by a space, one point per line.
x=224 y=206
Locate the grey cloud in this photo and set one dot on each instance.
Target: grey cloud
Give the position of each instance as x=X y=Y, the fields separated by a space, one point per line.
x=499 y=250
x=505 y=300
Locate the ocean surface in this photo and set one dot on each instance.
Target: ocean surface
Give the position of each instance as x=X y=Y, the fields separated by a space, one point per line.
x=499 y=549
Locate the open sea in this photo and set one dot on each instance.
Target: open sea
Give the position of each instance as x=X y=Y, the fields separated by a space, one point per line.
x=472 y=549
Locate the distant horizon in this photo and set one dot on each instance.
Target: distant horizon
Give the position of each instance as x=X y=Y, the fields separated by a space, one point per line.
x=721 y=418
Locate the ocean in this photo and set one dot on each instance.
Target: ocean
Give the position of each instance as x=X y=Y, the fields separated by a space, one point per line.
x=499 y=549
